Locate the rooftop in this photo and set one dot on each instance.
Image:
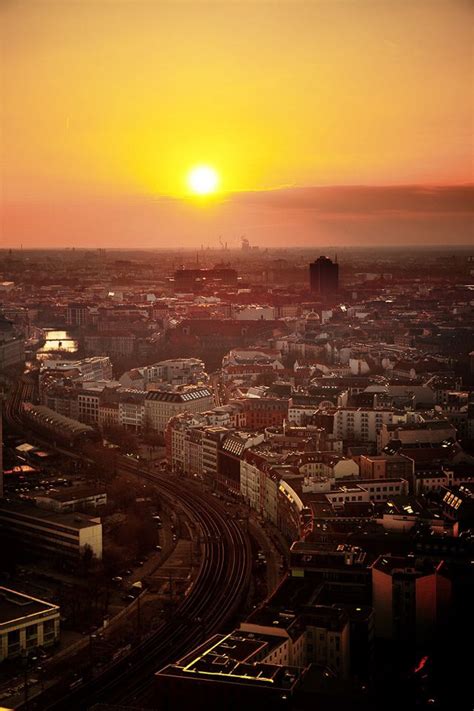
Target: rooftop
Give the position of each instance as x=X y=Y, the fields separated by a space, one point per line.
x=227 y=659
x=15 y=606
x=185 y=395
x=406 y=565
x=28 y=511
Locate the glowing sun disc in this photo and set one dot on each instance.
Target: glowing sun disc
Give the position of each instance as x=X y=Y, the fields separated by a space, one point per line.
x=203 y=180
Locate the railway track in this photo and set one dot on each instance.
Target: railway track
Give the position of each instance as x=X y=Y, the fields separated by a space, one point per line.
x=214 y=598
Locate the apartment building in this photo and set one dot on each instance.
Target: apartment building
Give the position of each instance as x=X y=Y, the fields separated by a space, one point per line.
x=211 y=441
x=162 y=405
x=88 y=404
x=95 y=369
x=366 y=490
x=409 y=595
x=429 y=432
x=131 y=409
x=383 y=466
x=360 y=424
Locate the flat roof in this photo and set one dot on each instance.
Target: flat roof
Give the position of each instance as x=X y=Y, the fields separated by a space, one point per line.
x=25 y=447
x=404 y=565
x=74 y=520
x=14 y=606
x=227 y=659
x=71 y=493
x=237 y=646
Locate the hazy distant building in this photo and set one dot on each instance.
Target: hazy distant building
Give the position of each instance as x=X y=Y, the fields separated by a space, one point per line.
x=324 y=277
x=198 y=279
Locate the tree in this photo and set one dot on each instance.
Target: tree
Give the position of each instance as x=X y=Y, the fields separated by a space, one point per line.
x=88 y=559
x=137 y=534
x=114 y=558
x=126 y=440
x=122 y=493
x=105 y=462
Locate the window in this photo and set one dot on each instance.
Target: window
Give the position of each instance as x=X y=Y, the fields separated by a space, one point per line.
x=31 y=635
x=48 y=630
x=13 y=640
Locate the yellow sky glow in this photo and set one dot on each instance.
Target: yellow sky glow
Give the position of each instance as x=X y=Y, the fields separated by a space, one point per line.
x=124 y=97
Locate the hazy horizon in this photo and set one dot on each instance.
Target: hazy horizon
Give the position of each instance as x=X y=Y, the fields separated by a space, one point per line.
x=308 y=217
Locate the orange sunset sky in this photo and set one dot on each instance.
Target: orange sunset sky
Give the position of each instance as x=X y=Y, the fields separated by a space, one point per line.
x=328 y=121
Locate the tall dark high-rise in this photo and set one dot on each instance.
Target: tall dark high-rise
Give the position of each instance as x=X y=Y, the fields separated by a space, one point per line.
x=324 y=277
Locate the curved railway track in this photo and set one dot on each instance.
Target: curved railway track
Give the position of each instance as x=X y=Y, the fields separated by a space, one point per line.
x=213 y=599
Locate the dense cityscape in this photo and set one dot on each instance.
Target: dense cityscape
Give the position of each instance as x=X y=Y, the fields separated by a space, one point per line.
x=236 y=355
x=236 y=477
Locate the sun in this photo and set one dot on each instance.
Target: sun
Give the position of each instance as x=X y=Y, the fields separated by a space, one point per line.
x=203 y=180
